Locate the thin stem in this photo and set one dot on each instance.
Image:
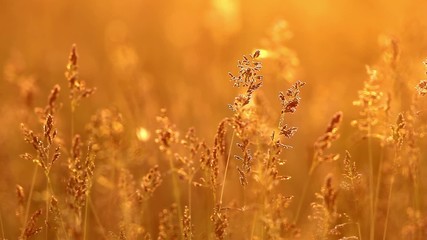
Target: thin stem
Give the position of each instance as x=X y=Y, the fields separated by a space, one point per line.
x=189 y=194
x=359 y=231
x=379 y=176
x=143 y=220
x=417 y=201
x=259 y=211
x=189 y=204
x=2 y=228
x=388 y=208
x=30 y=196
x=304 y=193
x=371 y=186
x=226 y=167
x=356 y=207
x=253 y=224
x=47 y=206
x=263 y=199
x=97 y=219
x=72 y=125
x=60 y=215
x=85 y=219
x=176 y=191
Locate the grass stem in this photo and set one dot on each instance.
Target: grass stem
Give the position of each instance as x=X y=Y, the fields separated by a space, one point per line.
x=226 y=168
x=189 y=203
x=378 y=185
x=388 y=208
x=60 y=217
x=176 y=192
x=371 y=187
x=85 y=218
x=30 y=195
x=2 y=227
x=97 y=219
x=303 y=194
x=47 y=206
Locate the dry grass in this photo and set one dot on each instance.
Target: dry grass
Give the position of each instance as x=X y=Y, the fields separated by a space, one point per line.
x=140 y=158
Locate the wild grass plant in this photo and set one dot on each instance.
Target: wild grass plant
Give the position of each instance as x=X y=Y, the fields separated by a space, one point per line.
x=100 y=170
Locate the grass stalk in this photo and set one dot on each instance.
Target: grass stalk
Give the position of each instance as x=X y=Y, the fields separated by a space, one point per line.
x=47 y=206
x=2 y=227
x=253 y=224
x=356 y=207
x=389 y=197
x=304 y=193
x=226 y=167
x=388 y=208
x=417 y=202
x=61 y=219
x=97 y=219
x=72 y=126
x=189 y=202
x=85 y=217
x=371 y=187
x=359 y=232
x=30 y=195
x=378 y=187
x=176 y=192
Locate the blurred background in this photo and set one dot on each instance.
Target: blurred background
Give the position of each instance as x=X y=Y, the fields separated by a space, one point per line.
x=146 y=55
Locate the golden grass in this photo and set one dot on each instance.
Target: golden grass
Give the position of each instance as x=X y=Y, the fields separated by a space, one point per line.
x=108 y=162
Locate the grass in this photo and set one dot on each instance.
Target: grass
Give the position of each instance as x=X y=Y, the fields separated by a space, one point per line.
x=243 y=179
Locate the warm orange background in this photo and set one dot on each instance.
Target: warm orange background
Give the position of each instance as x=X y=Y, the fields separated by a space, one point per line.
x=145 y=55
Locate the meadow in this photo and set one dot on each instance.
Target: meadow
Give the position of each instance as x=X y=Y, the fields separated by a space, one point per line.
x=219 y=119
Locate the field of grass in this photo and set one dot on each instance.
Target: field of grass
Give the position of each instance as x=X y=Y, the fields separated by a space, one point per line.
x=217 y=119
